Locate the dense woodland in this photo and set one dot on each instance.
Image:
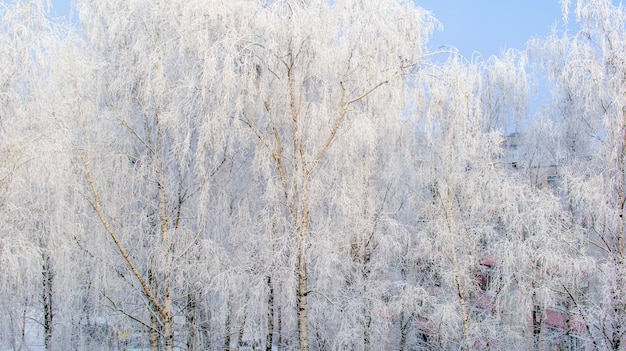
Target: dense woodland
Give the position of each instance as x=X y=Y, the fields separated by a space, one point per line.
x=308 y=175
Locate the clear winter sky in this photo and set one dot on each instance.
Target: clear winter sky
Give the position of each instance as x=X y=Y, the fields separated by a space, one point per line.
x=484 y=26
x=490 y=26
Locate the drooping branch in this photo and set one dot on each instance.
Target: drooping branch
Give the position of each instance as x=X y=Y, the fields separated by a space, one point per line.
x=582 y=313
x=127 y=314
x=97 y=206
x=131 y=129
x=345 y=105
x=277 y=153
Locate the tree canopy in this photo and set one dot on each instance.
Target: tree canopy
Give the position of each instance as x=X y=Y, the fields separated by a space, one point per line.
x=307 y=175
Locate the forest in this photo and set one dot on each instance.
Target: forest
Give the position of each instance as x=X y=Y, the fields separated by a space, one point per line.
x=308 y=175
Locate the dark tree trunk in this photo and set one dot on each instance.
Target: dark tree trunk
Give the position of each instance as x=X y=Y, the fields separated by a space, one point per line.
x=270 y=313
x=48 y=277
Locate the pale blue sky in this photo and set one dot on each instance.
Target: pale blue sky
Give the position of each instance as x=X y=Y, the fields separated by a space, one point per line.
x=489 y=26
x=484 y=26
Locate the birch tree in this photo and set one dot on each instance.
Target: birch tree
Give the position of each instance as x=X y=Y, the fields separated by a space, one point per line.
x=218 y=175
x=477 y=229
x=313 y=70
x=19 y=255
x=458 y=160
x=587 y=72
x=33 y=245
x=151 y=139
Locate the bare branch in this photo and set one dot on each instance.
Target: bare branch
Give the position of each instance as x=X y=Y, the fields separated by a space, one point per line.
x=118 y=116
x=98 y=208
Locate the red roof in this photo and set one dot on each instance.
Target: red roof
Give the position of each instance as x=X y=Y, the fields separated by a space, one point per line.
x=555 y=319
x=426 y=325
x=483 y=301
x=577 y=324
x=490 y=260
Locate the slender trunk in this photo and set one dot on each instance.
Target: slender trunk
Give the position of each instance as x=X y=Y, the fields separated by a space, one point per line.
x=403 y=330
x=404 y=320
x=168 y=332
x=464 y=314
x=460 y=288
x=192 y=332
x=242 y=327
x=22 y=330
x=619 y=307
x=48 y=277
x=227 y=327
x=166 y=245
x=279 y=332
x=154 y=333
x=154 y=319
x=367 y=340
x=270 y=313
x=167 y=320
x=303 y=333
x=367 y=250
x=198 y=337
x=618 y=328
x=367 y=309
x=302 y=271
x=622 y=188
x=537 y=319
x=203 y=325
